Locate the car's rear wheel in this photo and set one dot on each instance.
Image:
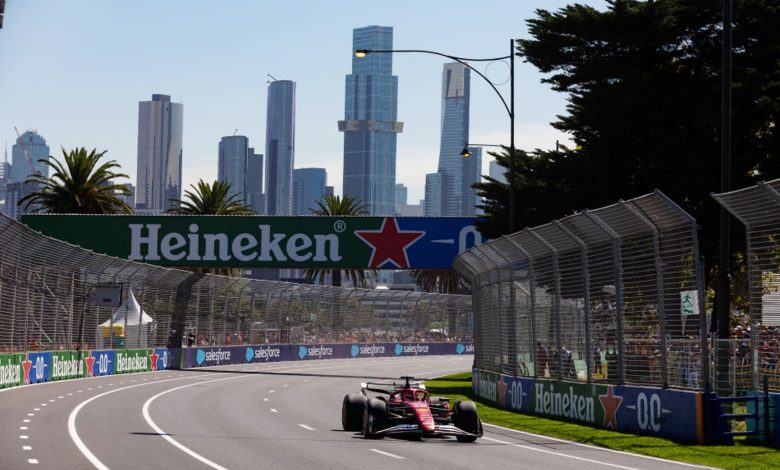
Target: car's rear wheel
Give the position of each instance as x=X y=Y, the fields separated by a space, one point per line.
x=374 y=418
x=352 y=411
x=466 y=419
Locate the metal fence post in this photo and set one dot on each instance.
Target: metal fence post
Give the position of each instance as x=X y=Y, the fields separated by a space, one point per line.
x=586 y=297
x=618 y=272
x=512 y=343
x=532 y=303
x=659 y=283
x=556 y=299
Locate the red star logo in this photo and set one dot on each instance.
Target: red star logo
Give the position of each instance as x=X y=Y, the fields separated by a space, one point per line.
x=89 y=361
x=26 y=365
x=610 y=403
x=501 y=392
x=153 y=356
x=389 y=244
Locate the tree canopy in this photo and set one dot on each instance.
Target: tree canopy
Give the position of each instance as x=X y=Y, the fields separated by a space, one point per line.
x=339 y=206
x=210 y=199
x=79 y=185
x=643 y=84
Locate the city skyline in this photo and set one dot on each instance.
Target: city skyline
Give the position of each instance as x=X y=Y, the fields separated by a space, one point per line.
x=217 y=64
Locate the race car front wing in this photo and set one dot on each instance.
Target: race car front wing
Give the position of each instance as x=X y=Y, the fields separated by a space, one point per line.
x=415 y=429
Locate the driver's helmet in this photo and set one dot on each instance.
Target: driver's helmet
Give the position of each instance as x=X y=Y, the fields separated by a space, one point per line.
x=419 y=395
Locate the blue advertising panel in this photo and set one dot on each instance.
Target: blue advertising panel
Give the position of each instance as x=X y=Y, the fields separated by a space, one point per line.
x=267 y=353
x=100 y=362
x=658 y=412
x=441 y=240
x=215 y=356
x=37 y=367
x=515 y=393
x=304 y=352
x=162 y=359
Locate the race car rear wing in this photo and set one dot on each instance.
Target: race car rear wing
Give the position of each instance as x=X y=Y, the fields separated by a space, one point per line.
x=387 y=388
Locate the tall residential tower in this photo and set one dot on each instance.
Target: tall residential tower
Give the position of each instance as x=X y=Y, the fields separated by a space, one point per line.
x=370 y=126
x=279 y=147
x=160 y=125
x=457 y=197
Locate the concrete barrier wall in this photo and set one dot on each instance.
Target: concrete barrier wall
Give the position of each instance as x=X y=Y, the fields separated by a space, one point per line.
x=44 y=366
x=674 y=414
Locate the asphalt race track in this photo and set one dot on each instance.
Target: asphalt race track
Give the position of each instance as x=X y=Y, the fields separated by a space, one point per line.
x=256 y=416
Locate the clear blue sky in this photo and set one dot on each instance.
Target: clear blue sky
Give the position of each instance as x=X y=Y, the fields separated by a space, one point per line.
x=75 y=71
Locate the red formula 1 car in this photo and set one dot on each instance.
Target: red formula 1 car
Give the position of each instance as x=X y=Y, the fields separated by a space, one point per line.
x=408 y=410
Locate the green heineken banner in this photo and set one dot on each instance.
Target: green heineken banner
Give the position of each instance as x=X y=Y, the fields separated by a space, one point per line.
x=132 y=360
x=11 y=370
x=67 y=365
x=257 y=241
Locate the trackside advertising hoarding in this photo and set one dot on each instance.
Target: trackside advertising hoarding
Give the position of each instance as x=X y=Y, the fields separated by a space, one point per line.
x=274 y=242
x=639 y=410
x=216 y=356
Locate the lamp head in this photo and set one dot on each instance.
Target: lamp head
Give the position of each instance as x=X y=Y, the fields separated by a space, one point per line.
x=466 y=152
x=360 y=53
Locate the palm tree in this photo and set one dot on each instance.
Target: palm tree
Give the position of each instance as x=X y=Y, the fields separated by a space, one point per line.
x=79 y=186
x=213 y=199
x=444 y=281
x=337 y=206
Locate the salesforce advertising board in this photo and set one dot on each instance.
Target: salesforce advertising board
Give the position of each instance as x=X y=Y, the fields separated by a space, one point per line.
x=220 y=356
x=259 y=241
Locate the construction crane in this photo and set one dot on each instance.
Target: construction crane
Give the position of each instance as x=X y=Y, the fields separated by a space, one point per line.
x=25 y=151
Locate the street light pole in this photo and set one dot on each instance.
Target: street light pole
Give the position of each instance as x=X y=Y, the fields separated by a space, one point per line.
x=510 y=107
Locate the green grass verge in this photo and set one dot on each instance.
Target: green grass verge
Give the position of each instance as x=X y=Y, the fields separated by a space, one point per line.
x=739 y=456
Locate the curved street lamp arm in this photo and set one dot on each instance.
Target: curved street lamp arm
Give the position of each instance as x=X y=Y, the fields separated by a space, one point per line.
x=460 y=60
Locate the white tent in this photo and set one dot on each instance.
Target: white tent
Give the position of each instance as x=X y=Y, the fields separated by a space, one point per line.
x=130 y=323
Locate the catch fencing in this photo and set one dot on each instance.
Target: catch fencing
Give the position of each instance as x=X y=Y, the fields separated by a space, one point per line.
x=612 y=295
x=754 y=348
x=48 y=288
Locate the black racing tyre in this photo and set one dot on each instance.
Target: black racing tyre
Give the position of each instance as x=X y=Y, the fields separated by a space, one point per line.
x=374 y=418
x=352 y=412
x=466 y=418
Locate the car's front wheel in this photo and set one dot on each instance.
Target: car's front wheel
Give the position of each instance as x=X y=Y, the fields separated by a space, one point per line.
x=466 y=419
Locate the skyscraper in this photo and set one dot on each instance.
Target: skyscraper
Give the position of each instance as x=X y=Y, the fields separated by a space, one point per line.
x=458 y=198
x=401 y=196
x=497 y=171
x=370 y=126
x=309 y=187
x=233 y=160
x=254 y=181
x=279 y=147
x=30 y=147
x=160 y=125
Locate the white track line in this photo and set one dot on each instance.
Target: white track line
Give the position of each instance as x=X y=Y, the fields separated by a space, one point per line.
x=74 y=435
x=545 y=451
x=388 y=454
x=685 y=464
x=308 y=428
x=173 y=441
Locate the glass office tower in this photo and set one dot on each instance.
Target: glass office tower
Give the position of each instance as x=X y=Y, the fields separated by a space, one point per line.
x=279 y=147
x=309 y=187
x=160 y=125
x=370 y=126
x=458 y=198
x=30 y=147
x=233 y=161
